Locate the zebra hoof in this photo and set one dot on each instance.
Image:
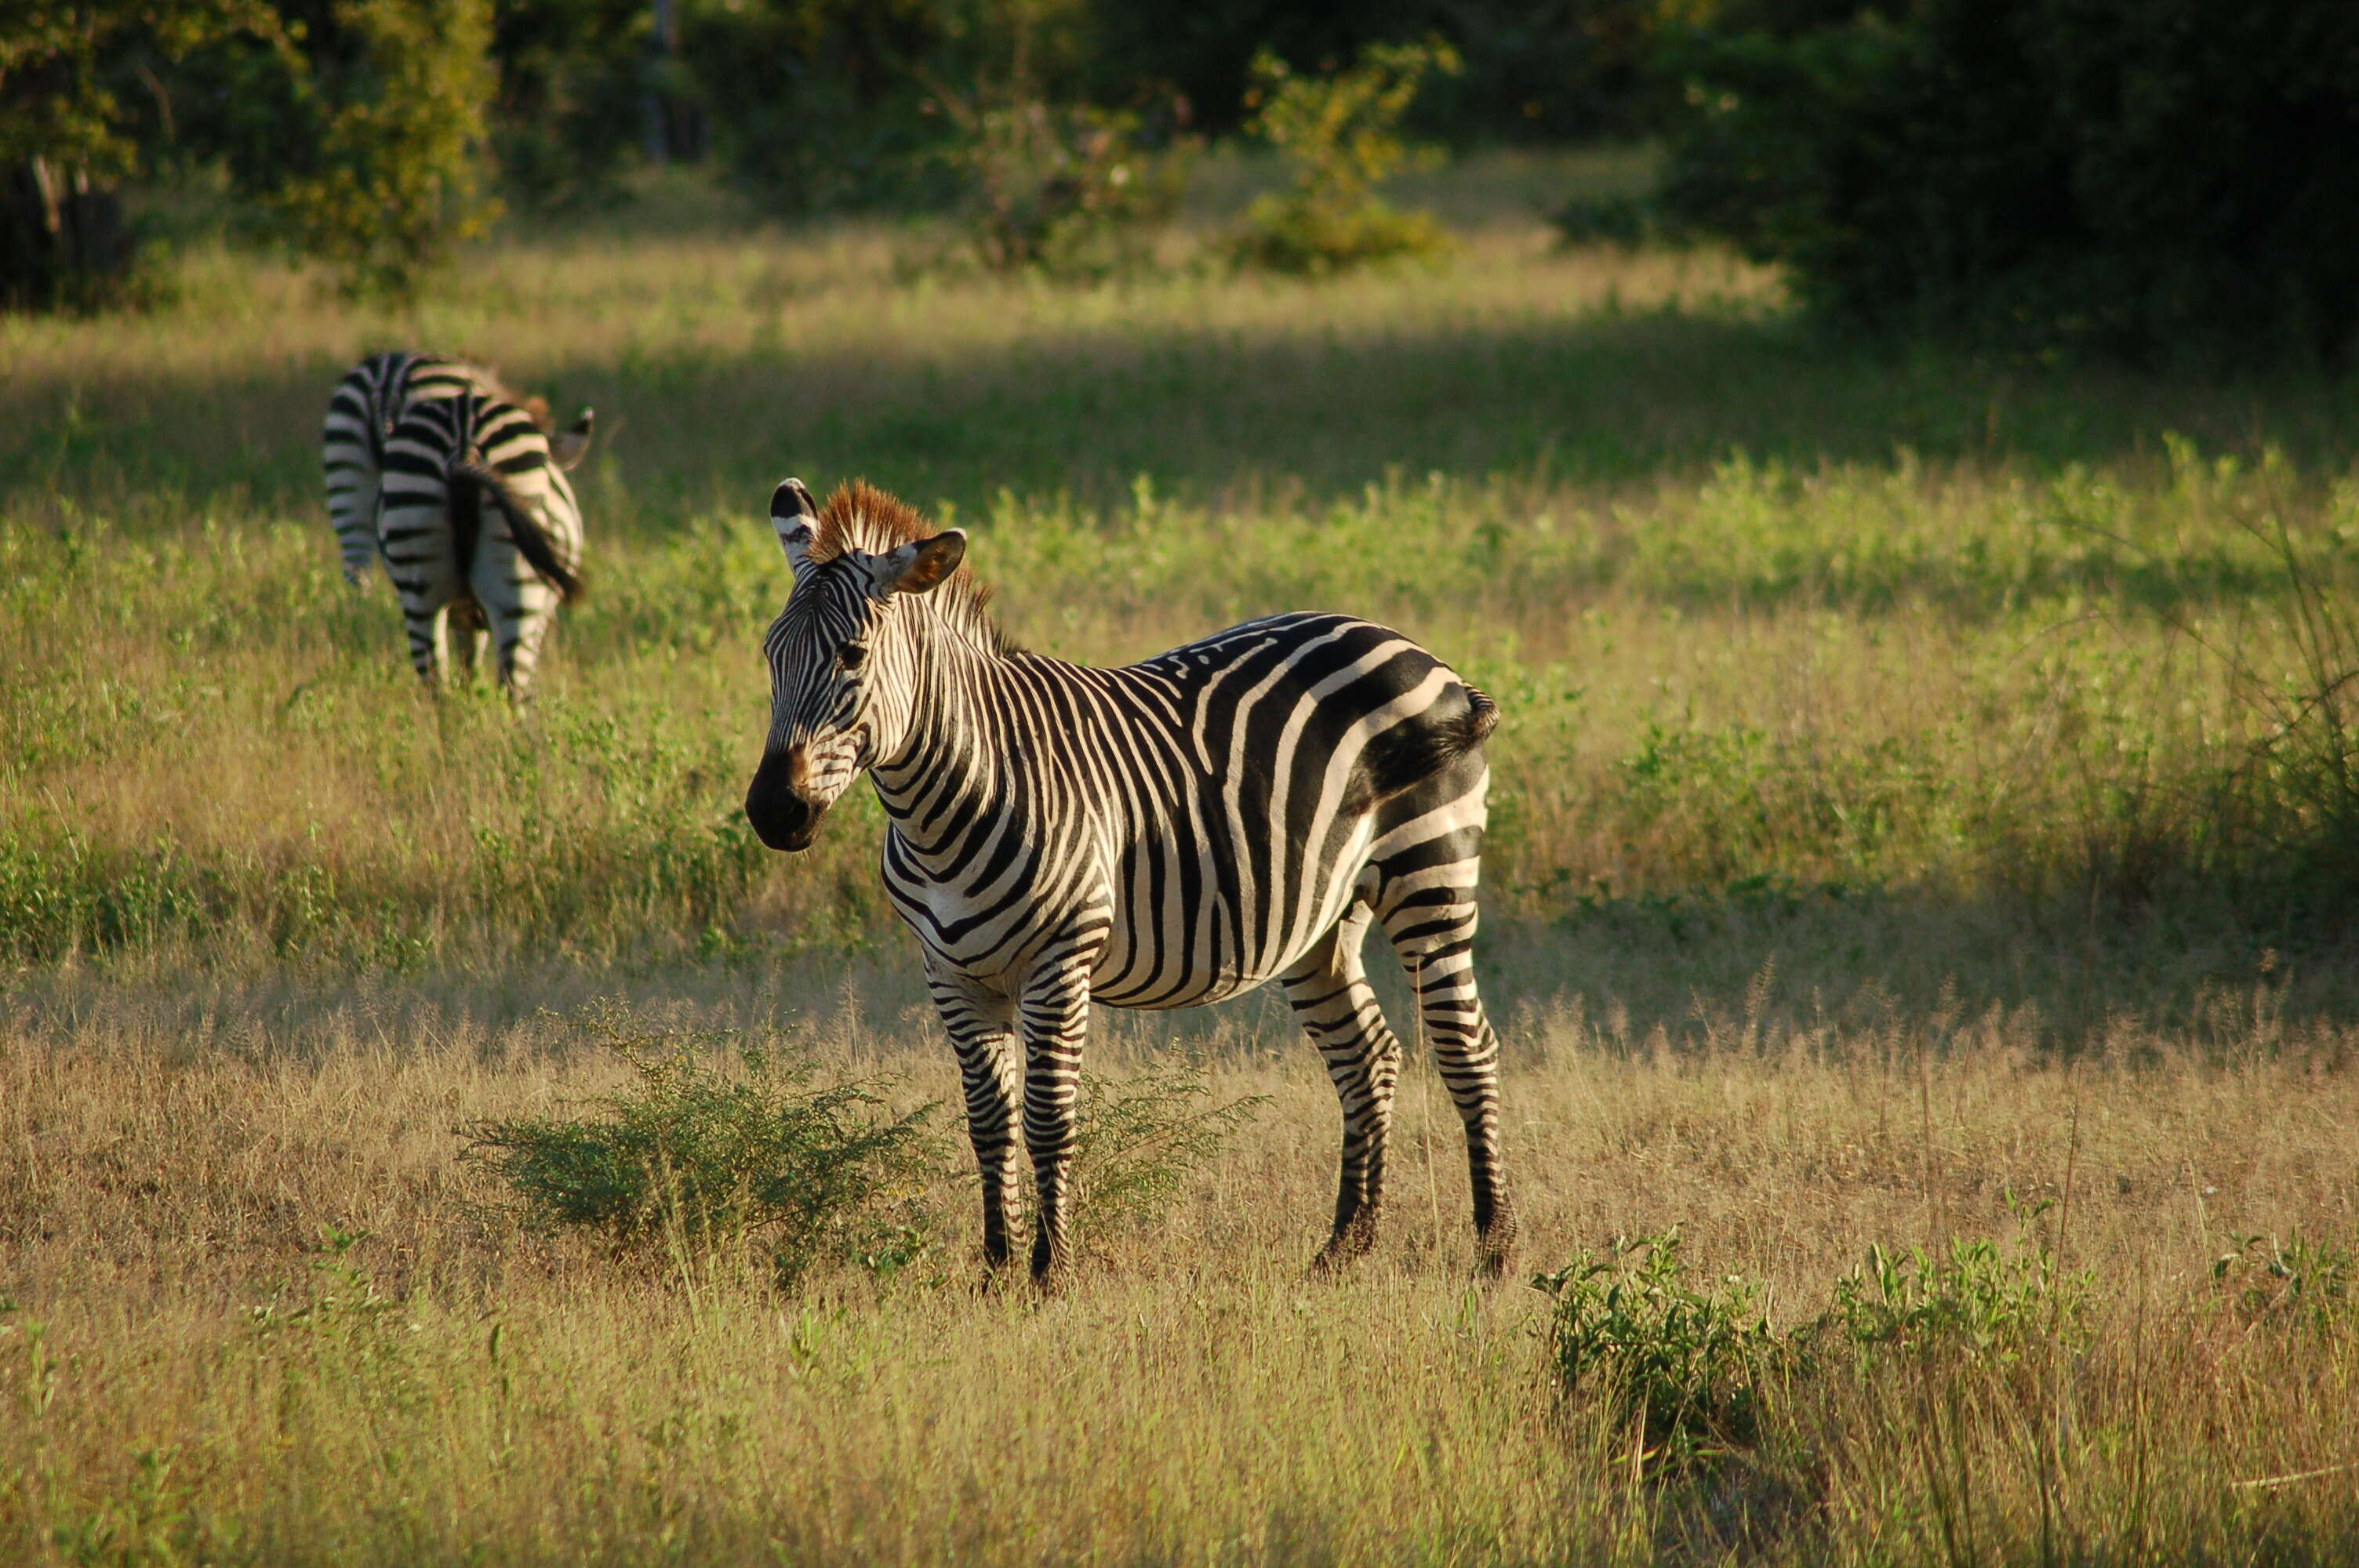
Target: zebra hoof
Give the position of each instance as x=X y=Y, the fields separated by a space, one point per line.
x=1345 y=1248
x=1331 y=1261
x=1495 y=1244
x=1052 y=1265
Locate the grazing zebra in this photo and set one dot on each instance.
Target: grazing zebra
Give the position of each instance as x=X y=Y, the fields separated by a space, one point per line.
x=476 y=518
x=1163 y=835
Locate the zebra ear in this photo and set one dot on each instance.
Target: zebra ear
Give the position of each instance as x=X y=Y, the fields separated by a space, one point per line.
x=916 y=566
x=794 y=515
x=571 y=445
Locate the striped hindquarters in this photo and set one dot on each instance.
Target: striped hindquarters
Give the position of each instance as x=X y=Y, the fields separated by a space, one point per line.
x=362 y=413
x=1316 y=742
x=474 y=508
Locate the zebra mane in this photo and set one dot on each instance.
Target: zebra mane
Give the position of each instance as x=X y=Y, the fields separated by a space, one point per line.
x=859 y=516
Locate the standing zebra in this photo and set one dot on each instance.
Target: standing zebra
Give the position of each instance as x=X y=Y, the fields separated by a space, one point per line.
x=476 y=517
x=1164 y=835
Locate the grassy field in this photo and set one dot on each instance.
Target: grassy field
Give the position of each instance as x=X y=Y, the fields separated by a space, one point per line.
x=1924 y=795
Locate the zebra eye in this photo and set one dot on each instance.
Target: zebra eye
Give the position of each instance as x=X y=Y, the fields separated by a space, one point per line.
x=852 y=655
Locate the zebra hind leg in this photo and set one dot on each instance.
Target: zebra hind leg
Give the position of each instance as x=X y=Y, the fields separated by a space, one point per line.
x=1055 y=1019
x=1336 y=1006
x=1433 y=931
x=520 y=611
x=469 y=636
x=427 y=630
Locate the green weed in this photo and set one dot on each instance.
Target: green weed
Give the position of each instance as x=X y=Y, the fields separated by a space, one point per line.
x=1138 y=1139
x=2293 y=1281
x=1978 y=1302
x=1688 y=1369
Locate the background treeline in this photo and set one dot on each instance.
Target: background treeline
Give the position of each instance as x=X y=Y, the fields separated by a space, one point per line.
x=2139 y=178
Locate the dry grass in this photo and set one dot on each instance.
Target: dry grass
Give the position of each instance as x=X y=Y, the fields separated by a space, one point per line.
x=190 y=1379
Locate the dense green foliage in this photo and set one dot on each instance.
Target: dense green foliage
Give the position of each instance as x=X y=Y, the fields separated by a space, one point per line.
x=74 y=112
x=1687 y=1366
x=2101 y=178
x=2126 y=178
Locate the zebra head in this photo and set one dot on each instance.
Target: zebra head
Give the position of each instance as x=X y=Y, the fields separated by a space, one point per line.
x=843 y=666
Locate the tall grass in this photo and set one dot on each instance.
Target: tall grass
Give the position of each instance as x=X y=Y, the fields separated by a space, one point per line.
x=259 y=1310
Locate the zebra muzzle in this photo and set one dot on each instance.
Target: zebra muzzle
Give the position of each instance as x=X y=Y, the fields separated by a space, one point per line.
x=782 y=818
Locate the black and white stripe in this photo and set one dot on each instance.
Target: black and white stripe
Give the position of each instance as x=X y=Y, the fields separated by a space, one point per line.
x=361 y=412
x=477 y=524
x=1171 y=833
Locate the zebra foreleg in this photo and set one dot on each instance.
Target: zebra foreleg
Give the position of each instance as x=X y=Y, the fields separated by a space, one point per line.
x=1433 y=931
x=1333 y=1002
x=979 y=1029
x=1055 y=1017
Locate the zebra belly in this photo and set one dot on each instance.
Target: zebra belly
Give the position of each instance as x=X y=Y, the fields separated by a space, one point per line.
x=1164 y=953
x=1158 y=954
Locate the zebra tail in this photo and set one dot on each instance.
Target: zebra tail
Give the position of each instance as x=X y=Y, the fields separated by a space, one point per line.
x=532 y=543
x=1406 y=755
x=1481 y=717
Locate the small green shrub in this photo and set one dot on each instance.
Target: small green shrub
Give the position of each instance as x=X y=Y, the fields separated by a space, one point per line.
x=1137 y=1142
x=1691 y=1366
x=1341 y=135
x=696 y=1162
x=1980 y=1302
x=2296 y=1280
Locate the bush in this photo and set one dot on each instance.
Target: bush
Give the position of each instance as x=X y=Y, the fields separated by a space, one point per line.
x=380 y=172
x=77 y=96
x=1135 y=1143
x=2296 y=1280
x=1341 y=135
x=2140 y=178
x=695 y=1162
x=1690 y=1368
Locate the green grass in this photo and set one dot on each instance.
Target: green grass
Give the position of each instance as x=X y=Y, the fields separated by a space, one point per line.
x=1775 y=629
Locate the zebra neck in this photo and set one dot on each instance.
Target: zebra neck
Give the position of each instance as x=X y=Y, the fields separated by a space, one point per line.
x=944 y=773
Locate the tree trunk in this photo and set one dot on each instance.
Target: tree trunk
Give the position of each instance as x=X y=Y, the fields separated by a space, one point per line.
x=63 y=242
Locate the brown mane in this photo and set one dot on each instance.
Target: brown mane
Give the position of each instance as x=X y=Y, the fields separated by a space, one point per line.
x=859 y=516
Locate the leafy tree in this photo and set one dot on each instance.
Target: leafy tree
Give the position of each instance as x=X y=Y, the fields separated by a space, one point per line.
x=79 y=85
x=1534 y=70
x=1341 y=135
x=570 y=114
x=385 y=176
x=353 y=127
